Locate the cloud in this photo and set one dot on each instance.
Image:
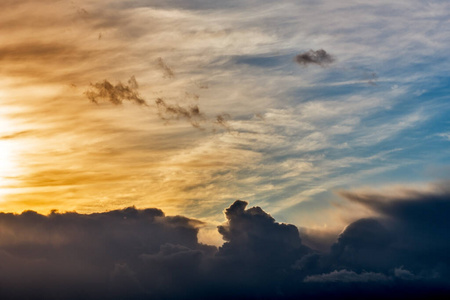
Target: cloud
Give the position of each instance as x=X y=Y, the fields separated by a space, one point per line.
x=315 y=57
x=222 y=120
x=116 y=94
x=252 y=235
x=167 y=71
x=142 y=253
x=191 y=113
x=410 y=230
x=258 y=252
x=72 y=255
x=15 y=135
x=347 y=277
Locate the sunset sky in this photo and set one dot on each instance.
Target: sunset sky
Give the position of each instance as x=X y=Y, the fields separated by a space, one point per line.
x=297 y=107
x=293 y=134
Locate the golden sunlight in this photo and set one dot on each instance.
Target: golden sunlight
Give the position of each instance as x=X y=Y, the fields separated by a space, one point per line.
x=8 y=162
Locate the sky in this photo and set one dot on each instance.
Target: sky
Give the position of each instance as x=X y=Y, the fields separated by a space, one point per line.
x=302 y=109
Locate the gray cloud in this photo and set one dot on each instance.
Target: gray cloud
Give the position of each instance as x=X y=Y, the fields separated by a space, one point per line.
x=316 y=57
x=140 y=254
x=102 y=255
x=347 y=277
x=411 y=231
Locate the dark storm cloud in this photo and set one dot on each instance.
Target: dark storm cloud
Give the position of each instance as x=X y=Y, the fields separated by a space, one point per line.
x=73 y=255
x=116 y=94
x=142 y=254
x=248 y=230
x=258 y=252
x=412 y=231
x=315 y=57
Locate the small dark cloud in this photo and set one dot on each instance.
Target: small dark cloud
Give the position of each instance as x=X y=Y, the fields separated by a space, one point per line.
x=116 y=94
x=167 y=71
x=315 y=57
x=191 y=113
x=222 y=120
x=119 y=93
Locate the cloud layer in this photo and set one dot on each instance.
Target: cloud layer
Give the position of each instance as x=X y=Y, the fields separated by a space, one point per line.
x=141 y=254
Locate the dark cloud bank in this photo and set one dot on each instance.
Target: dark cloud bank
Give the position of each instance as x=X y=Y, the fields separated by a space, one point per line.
x=143 y=254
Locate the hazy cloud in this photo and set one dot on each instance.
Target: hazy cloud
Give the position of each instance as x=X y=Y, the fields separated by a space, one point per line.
x=167 y=71
x=20 y=134
x=316 y=57
x=222 y=120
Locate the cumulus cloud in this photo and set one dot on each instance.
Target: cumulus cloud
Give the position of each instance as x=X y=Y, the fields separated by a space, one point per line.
x=254 y=237
x=141 y=254
x=411 y=230
x=315 y=57
x=96 y=255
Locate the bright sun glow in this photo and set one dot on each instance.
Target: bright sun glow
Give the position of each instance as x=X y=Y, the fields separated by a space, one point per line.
x=8 y=163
